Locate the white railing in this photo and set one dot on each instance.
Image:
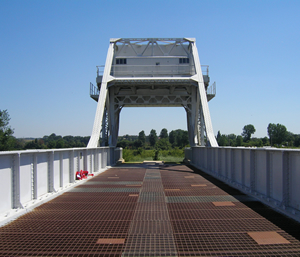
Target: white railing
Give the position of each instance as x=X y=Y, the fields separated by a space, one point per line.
x=27 y=177
x=211 y=90
x=269 y=174
x=93 y=90
x=152 y=70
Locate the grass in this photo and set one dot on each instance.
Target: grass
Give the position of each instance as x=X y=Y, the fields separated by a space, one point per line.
x=140 y=155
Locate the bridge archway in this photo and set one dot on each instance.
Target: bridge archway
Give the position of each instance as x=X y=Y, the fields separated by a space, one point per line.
x=156 y=72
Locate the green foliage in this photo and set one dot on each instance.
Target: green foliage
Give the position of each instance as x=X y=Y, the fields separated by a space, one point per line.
x=53 y=141
x=163 y=144
x=142 y=137
x=248 y=130
x=222 y=140
x=125 y=144
x=35 y=144
x=7 y=141
x=265 y=141
x=297 y=140
x=164 y=133
x=179 y=138
x=127 y=155
x=277 y=133
x=239 y=141
x=157 y=155
x=152 y=137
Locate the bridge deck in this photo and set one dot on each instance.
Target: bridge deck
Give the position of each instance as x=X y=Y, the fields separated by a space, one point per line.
x=151 y=210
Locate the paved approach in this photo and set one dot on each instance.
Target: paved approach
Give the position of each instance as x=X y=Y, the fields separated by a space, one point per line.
x=151 y=210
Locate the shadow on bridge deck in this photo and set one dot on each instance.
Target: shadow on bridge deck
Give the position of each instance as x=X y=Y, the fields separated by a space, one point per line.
x=151 y=210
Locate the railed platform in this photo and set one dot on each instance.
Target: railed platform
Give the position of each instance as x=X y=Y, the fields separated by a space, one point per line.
x=151 y=210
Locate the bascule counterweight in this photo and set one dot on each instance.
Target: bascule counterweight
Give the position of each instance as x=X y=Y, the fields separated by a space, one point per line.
x=160 y=72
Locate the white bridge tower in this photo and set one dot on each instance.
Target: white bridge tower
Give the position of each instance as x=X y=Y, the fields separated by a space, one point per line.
x=156 y=72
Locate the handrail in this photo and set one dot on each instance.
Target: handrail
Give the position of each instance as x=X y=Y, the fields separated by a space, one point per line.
x=100 y=69
x=269 y=174
x=31 y=176
x=204 y=68
x=93 y=90
x=211 y=90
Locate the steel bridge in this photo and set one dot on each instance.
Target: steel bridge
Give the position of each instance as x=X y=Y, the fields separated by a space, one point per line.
x=224 y=201
x=148 y=209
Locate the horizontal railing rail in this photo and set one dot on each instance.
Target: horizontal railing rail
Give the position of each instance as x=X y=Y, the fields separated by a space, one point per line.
x=100 y=69
x=136 y=70
x=269 y=174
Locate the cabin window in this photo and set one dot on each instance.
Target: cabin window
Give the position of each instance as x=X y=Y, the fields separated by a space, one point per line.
x=184 y=60
x=121 y=61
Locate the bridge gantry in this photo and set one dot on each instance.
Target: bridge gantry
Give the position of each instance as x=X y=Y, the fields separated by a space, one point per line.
x=157 y=72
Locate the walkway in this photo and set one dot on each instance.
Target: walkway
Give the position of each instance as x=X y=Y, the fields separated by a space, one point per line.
x=151 y=210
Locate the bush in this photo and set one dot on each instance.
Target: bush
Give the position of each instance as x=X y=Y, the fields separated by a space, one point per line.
x=127 y=155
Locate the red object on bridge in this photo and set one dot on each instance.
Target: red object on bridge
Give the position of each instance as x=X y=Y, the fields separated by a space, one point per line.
x=82 y=174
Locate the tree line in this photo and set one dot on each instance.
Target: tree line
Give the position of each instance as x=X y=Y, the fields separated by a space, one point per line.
x=278 y=136
x=8 y=142
x=164 y=141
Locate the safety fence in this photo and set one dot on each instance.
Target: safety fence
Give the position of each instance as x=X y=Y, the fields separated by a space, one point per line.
x=28 y=176
x=269 y=174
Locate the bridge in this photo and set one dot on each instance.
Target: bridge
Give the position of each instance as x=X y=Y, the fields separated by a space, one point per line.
x=224 y=201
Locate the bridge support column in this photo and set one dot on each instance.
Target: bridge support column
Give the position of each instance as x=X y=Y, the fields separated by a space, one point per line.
x=203 y=98
x=94 y=140
x=114 y=118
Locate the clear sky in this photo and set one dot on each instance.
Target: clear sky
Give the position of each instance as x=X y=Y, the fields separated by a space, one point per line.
x=49 y=51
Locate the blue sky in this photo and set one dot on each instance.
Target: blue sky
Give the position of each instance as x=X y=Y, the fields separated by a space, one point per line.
x=49 y=51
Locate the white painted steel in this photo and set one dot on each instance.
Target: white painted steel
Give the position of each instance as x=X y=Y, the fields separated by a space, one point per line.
x=29 y=177
x=102 y=99
x=152 y=72
x=203 y=99
x=269 y=174
x=6 y=183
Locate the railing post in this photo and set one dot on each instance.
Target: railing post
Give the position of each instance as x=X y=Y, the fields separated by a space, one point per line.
x=219 y=151
x=61 y=170
x=232 y=166
x=268 y=179
x=85 y=159
x=34 y=177
x=51 y=172
x=252 y=171
x=243 y=167
x=16 y=203
x=71 y=165
x=228 y=162
x=285 y=179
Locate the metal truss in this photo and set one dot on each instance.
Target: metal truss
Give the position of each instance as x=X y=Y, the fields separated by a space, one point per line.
x=144 y=72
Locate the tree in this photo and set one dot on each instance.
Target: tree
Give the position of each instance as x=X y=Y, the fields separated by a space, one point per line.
x=163 y=144
x=248 y=130
x=239 y=141
x=277 y=133
x=142 y=137
x=6 y=138
x=173 y=138
x=223 y=141
x=164 y=133
x=231 y=139
x=179 y=138
x=152 y=137
x=218 y=136
x=265 y=141
x=297 y=140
